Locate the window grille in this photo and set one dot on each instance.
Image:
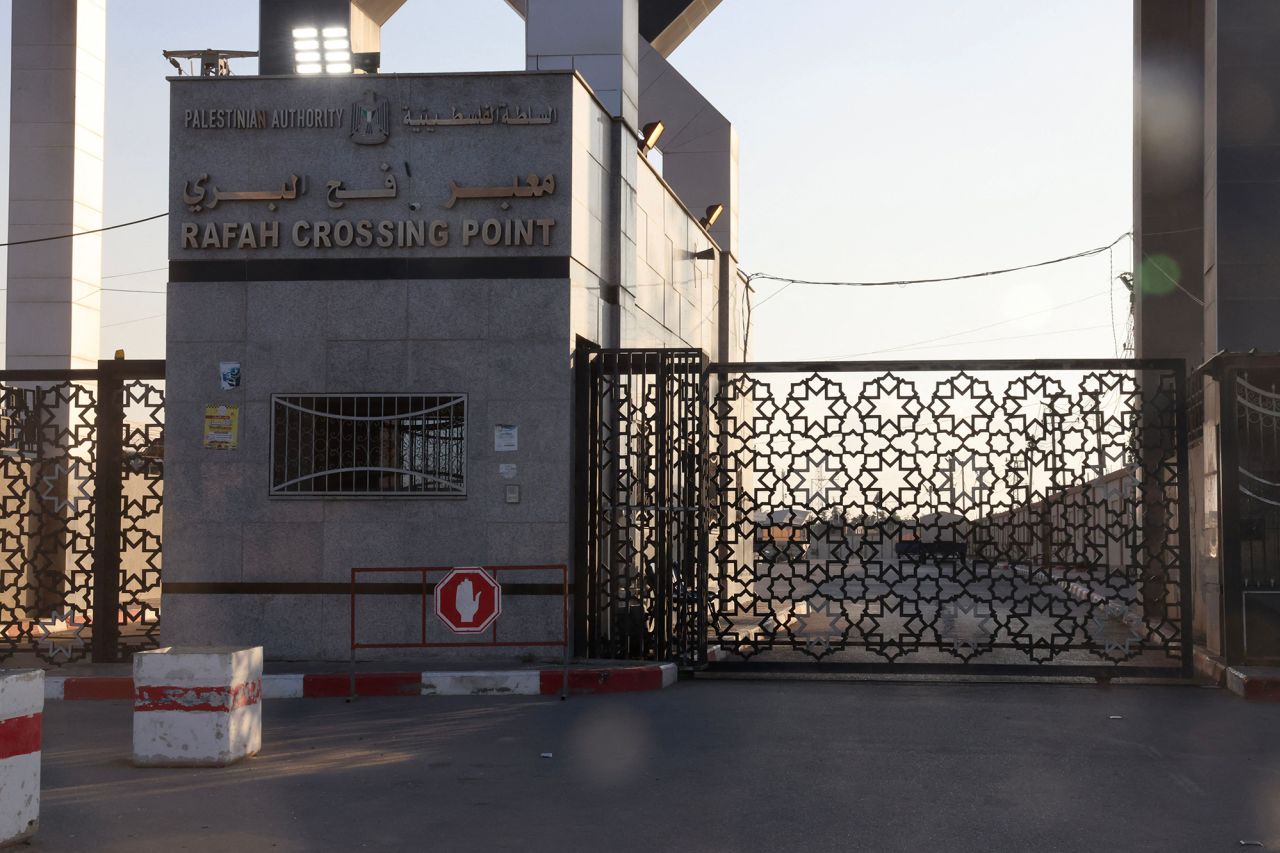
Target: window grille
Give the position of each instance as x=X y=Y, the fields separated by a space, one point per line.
x=365 y=445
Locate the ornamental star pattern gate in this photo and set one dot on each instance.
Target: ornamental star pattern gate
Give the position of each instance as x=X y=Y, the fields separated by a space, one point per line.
x=868 y=515
x=82 y=479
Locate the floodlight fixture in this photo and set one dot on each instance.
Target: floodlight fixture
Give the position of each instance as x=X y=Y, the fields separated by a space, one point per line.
x=650 y=133
x=713 y=213
x=307 y=55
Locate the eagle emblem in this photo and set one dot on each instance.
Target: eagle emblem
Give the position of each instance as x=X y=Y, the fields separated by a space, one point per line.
x=370 y=120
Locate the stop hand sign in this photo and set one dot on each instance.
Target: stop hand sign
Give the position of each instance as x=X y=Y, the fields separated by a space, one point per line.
x=468 y=600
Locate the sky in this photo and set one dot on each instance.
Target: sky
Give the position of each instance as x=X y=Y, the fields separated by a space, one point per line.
x=878 y=141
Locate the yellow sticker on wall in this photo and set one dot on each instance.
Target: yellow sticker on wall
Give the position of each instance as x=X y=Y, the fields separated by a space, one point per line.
x=221 y=427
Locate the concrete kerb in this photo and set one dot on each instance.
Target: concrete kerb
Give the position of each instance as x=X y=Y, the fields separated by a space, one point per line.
x=517 y=682
x=1254 y=682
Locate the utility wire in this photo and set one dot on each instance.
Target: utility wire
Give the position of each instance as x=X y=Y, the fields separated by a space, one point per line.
x=998 y=340
x=135 y=320
x=82 y=233
x=764 y=276
x=929 y=342
x=135 y=272
x=788 y=282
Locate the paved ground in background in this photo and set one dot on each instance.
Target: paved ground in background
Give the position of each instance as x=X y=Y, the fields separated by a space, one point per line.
x=707 y=766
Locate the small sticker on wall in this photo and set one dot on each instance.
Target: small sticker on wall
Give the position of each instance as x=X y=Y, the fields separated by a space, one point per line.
x=506 y=437
x=507 y=471
x=221 y=427
x=229 y=374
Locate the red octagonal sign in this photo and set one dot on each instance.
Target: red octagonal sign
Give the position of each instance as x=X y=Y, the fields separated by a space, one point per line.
x=468 y=600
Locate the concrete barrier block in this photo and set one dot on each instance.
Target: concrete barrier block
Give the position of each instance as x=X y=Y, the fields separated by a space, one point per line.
x=197 y=706
x=21 y=717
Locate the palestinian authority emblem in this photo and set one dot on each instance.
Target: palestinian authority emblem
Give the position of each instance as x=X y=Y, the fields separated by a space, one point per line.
x=370 y=120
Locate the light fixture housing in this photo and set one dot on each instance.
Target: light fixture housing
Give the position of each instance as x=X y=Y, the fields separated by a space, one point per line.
x=649 y=134
x=713 y=213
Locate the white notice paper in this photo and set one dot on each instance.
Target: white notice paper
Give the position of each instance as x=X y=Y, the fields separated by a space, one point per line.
x=506 y=437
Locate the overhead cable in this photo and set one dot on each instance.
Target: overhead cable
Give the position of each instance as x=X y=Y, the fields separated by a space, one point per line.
x=82 y=233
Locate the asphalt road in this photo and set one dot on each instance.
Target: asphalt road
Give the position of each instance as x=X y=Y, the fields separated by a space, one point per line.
x=705 y=766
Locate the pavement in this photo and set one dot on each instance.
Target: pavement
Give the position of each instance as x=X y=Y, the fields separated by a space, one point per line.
x=706 y=766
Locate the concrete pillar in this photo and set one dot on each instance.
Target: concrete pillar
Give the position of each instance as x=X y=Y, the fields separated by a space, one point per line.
x=600 y=39
x=1169 y=238
x=1242 y=177
x=1168 y=178
x=56 y=130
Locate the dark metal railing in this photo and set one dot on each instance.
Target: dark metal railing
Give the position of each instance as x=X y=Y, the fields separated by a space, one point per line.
x=81 y=470
x=1003 y=514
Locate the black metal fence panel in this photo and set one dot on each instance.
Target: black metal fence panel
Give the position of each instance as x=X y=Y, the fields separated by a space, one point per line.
x=986 y=515
x=999 y=513
x=81 y=479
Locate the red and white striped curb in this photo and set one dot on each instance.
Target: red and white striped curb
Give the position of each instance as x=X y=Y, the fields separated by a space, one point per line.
x=21 y=719
x=520 y=682
x=196 y=707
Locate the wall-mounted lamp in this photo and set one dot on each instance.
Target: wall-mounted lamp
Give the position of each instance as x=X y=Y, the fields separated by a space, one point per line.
x=650 y=133
x=713 y=213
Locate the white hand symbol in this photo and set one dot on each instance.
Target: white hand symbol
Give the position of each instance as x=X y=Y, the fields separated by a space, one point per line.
x=467 y=600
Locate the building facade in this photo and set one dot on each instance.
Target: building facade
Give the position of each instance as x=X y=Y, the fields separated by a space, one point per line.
x=377 y=285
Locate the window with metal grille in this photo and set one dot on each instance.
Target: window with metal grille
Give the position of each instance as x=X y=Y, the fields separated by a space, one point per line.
x=366 y=445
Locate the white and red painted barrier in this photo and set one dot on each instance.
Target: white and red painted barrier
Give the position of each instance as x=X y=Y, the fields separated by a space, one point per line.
x=327 y=685
x=21 y=718
x=196 y=707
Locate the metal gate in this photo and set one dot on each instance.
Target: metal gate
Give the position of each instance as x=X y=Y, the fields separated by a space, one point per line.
x=641 y=526
x=993 y=516
x=81 y=480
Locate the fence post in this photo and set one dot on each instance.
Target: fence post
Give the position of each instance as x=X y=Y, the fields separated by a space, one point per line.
x=1186 y=591
x=107 y=506
x=1229 y=484
x=580 y=488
